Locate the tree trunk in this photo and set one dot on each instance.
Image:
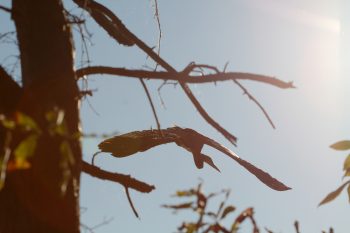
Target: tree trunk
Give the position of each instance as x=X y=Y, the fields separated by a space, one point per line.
x=32 y=199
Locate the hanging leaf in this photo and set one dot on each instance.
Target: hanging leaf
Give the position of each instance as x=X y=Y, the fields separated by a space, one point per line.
x=334 y=194
x=349 y=192
x=133 y=142
x=341 y=145
x=229 y=209
x=347 y=163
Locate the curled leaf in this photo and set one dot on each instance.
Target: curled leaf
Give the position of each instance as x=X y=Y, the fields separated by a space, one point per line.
x=334 y=194
x=341 y=145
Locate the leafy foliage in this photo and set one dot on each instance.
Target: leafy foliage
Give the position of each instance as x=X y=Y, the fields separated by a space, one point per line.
x=215 y=221
x=21 y=124
x=341 y=145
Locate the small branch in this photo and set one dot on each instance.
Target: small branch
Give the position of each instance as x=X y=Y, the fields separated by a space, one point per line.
x=151 y=103
x=130 y=202
x=245 y=91
x=181 y=77
x=156 y=14
x=125 y=180
x=6 y=9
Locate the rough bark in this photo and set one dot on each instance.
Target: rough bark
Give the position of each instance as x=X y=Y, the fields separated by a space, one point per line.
x=31 y=200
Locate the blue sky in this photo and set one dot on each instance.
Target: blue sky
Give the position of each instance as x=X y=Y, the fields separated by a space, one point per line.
x=299 y=41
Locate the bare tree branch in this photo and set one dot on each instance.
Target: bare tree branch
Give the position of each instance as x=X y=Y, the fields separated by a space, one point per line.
x=120 y=29
x=183 y=77
x=151 y=103
x=125 y=180
x=252 y=98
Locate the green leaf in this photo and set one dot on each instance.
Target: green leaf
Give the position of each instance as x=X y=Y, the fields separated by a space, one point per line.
x=227 y=210
x=26 y=147
x=331 y=196
x=347 y=163
x=26 y=122
x=341 y=145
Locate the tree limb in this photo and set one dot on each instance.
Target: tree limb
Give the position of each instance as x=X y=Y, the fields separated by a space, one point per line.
x=182 y=77
x=126 y=180
x=92 y=6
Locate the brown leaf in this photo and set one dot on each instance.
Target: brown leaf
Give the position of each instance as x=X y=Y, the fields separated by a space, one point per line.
x=227 y=210
x=187 y=205
x=334 y=194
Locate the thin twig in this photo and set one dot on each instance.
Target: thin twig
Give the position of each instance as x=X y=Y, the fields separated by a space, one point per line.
x=6 y=9
x=130 y=202
x=245 y=91
x=156 y=14
x=151 y=103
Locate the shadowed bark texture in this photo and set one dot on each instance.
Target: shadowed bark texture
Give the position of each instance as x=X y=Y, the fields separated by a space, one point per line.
x=32 y=200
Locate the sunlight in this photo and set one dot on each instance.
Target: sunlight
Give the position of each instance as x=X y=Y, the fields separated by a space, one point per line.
x=299 y=15
x=319 y=66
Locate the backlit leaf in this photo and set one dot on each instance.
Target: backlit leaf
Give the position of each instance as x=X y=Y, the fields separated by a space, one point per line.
x=334 y=194
x=25 y=121
x=341 y=145
x=26 y=148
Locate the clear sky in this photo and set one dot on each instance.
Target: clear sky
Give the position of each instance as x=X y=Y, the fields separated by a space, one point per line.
x=303 y=41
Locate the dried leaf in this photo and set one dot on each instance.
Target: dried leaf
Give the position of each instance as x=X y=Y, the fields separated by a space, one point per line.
x=187 y=205
x=341 y=145
x=334 y=194
x=229 y=209
x=133 y=142
x=349 y=192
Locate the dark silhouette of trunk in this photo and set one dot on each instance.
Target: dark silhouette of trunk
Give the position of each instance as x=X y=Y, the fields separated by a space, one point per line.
x=32 y=199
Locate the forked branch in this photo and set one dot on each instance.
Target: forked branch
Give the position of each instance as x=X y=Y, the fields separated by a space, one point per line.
x=119 y=28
